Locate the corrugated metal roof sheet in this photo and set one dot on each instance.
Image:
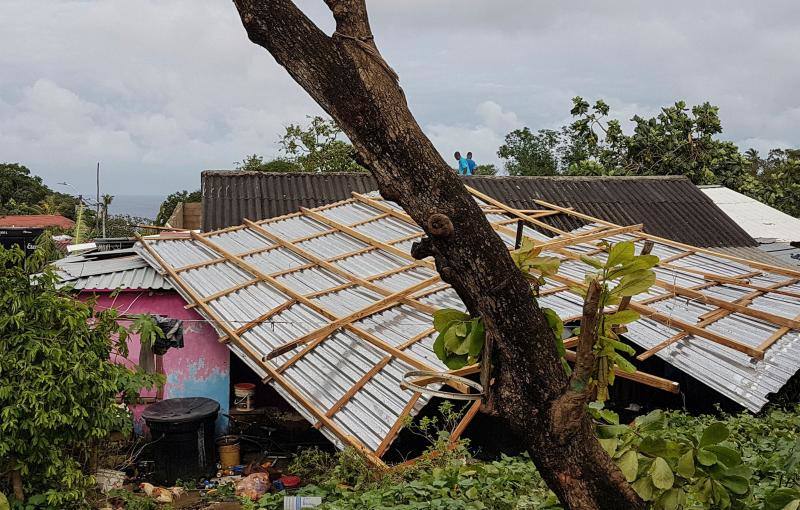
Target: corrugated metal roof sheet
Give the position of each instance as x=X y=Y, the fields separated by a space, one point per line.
x=272 y=284
x=668 y=206
x=743 y=379
x=130 y=272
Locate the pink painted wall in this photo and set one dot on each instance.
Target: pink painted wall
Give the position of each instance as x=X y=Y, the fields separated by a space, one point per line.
x=200 y=369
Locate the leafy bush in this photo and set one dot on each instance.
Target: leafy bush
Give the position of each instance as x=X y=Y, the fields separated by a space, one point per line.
x=676 y=461
x=58 y=387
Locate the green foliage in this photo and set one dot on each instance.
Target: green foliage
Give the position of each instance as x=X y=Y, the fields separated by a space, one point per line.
x=123 y=225
x=487 y=169
x=677 y=468
x=23 y=193
x=755 y=466
x=131 y=501
x=621 y=274
x=58 y=387
x=256 y=163
x=460 y=338
x=528 y=153
x=171 y=202
x=317 y=147
x=680 y=140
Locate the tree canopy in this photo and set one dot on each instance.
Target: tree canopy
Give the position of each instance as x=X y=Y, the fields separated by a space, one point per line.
x=24 y=193
x=315 y=147
x=681 y=140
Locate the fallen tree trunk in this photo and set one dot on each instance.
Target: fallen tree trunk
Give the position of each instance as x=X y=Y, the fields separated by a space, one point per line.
x=350 y=80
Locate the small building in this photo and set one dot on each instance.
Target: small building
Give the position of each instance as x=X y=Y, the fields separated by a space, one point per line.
x=23 y=230
x=122 y=280
x=776 y=232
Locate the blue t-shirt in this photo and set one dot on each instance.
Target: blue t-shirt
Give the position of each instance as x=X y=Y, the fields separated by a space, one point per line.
x=471 y=164
x=463 y=167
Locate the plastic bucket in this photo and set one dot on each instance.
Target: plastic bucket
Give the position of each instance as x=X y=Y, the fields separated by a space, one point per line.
x=108 y=479
x=228 y=447
x=244 y=393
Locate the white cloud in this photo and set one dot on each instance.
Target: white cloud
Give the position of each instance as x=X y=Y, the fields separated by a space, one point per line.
x=158 y=91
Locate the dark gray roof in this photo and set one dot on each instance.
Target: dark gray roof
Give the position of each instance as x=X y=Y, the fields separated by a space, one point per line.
x=668 y=206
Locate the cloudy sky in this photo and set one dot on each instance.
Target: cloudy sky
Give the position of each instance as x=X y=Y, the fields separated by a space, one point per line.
x=158 y=90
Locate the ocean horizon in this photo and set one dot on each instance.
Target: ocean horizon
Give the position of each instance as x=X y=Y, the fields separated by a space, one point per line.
x=143 y=206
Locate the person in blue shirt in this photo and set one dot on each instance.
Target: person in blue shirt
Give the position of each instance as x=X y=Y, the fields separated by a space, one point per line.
x=471 y=164
x=463 y=166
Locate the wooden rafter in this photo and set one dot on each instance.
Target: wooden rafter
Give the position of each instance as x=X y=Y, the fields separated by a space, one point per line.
x=278 y=378
x=334 y=268
x=372 y=339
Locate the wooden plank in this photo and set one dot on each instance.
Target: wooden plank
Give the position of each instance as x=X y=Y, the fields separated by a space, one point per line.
x=715 y=315
x=313 y=305
x=353 y=253
x=344 y=399
x=727 y=305
x=335 y=269
x=231 y=290
x=369 y=220
x=261 y=318
x=387 y=441
x=594 y=234
x=455 y=435
x=639 y=377
x=461 y=372
x=217 y=260
x=390 y=272
x=337 y=288
x=514 y=212
x=416 y=338
x=278 y=378
x=574 y=213
x=752 y=263
x=378 y=306
x=315 y=235
x=672 y=322
x=363 y=237
x=774 y=337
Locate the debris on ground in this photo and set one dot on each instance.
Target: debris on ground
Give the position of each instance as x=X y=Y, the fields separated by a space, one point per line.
x=253 y=486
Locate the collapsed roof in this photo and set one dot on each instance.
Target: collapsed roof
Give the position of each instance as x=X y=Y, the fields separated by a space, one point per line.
x=330 y=308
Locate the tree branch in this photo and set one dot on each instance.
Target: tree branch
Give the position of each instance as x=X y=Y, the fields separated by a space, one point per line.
x=351 y=18
x=584 y=357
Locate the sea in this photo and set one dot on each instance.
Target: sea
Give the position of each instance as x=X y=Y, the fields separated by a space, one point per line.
x=143 y=206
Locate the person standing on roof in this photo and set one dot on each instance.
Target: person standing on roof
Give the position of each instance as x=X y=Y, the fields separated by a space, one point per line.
x=470 y=164
x=463 y=166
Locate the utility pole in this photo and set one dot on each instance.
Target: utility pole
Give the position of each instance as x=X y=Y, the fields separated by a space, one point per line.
x=97 y=206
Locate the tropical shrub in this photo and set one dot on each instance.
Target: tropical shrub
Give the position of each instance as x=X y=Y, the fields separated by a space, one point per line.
x=58 y=387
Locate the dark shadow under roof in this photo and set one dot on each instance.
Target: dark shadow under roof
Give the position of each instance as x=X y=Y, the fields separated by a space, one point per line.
x=668 y=206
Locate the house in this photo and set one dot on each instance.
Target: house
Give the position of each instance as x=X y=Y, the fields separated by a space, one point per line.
x=328 y=306
x=36 y=221
x=23 y=230
x=122 y=280
x=776 y=232
x=667 y=206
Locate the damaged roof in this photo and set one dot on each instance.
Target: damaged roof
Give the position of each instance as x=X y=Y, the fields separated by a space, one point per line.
x=125 y=271
x=328 y=305
x=668 y=206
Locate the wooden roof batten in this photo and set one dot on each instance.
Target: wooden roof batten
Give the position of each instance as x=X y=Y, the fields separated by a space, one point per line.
x=410 y=295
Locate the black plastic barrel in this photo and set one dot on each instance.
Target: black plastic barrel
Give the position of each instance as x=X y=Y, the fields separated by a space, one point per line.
x=182 y=431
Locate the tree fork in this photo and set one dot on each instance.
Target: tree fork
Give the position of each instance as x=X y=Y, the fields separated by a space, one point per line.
x=347 y=76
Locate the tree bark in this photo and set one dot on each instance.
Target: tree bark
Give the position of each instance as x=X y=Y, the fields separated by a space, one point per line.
x=16 y=484
x=350 y=80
